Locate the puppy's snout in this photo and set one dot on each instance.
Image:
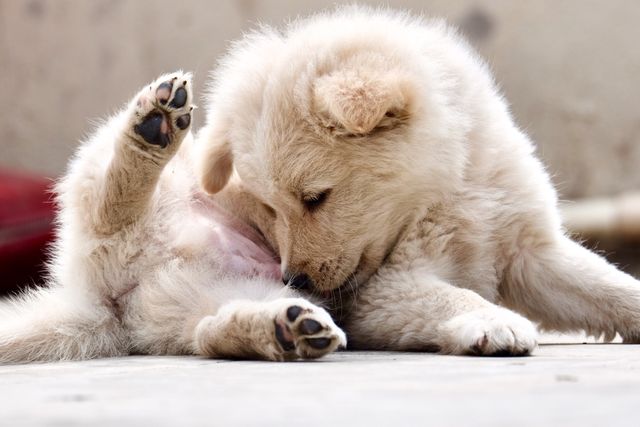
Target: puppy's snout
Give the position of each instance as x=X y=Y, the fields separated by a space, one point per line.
x=300 y=282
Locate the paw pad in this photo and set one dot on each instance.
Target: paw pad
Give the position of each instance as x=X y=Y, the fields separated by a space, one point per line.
x=163 y=92
x=157 y=126
x=154 y=129
x=179 y=98
x=284 y=337
x=319 y=343
x=183 y=121
x=307 y=331
x=293 y=312
x=310 y=327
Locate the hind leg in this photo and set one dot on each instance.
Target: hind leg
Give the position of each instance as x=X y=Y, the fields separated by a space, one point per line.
x=187 y=310
x=156 y=122
x=282 y=329
x=109 y=186
x=566 y=287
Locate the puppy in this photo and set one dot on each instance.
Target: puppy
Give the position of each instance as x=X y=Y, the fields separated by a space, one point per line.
x=144 y=262
x=400 y=188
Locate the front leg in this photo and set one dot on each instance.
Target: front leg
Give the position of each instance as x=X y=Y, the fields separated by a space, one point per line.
x=415 y=310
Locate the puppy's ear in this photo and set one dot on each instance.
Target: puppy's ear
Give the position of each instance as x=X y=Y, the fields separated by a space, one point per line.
x=215 y=162
x=359 y=102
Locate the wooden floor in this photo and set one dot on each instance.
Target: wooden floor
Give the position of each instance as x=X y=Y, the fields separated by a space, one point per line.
x=561 y=385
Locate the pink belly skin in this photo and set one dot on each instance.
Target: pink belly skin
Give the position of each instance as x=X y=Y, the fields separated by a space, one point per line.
x=242 y=249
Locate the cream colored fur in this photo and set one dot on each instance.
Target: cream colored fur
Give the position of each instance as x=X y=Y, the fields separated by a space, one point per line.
x=134 y=269
x=439 y=227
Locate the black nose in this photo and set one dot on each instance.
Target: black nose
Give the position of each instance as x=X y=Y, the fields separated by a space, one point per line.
x=301 y=282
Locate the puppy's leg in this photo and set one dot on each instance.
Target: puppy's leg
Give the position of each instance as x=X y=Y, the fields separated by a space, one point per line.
x=566 y=287
x=71 y=319
x=186 y=310
x=282 y=329
x=158 y=119
x=413 y=310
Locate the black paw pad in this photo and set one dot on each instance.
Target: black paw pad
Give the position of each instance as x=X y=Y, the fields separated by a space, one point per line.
x=309 y=327
x=293 y=312
x=183 y=121
x=179 y=98
x=163 y=92
x=319 y=343
x=151 y=130
x=280 y=336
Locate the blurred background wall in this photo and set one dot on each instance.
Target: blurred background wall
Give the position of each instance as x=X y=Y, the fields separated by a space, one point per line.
x=570 y=69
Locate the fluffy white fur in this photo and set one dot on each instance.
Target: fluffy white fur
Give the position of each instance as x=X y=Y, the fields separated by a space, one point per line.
x=373 y=151
x=144 y=262
x=395 y=179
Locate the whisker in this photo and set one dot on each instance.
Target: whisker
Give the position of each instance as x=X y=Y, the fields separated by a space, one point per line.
x=356 y=289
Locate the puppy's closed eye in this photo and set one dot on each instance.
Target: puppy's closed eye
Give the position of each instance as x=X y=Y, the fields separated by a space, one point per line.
x=313 y=201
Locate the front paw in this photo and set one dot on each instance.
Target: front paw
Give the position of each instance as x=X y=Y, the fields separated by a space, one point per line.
x=488 y=332
x=162 y=111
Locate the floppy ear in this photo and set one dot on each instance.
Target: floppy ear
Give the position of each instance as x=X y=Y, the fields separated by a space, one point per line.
x=215 y=163
x=359 y=102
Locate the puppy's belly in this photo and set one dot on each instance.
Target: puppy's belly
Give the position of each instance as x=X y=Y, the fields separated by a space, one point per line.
x=240 y=254
x=238 y=248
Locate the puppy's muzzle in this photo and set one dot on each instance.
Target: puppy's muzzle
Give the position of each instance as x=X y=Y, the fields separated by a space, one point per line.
x=301 y=282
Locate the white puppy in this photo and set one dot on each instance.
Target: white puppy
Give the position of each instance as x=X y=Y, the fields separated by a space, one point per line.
x=395 y=182
x=144 y=262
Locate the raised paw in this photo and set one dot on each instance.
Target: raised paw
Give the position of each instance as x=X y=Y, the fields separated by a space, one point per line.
x=162 y=111
x=305 y=330
x=489 y=332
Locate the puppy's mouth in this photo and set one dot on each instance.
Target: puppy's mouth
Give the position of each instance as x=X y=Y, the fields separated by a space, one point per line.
x=339 y=300
x=350 y=285
x=366 y=267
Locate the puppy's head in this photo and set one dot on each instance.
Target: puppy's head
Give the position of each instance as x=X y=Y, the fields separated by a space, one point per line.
x=336 y=137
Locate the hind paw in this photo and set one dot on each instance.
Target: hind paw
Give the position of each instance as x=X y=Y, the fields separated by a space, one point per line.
x=305 y=330
x=162 y=111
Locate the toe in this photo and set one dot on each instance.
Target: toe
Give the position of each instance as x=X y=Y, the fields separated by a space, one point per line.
x=319 y=343
x=293 y=312
x=481 y=345
x=183 y=121
x=309 y=327
x=179 y=98
x=163 y=92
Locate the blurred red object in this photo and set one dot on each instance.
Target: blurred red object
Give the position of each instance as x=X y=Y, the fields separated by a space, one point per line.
x=26 y=227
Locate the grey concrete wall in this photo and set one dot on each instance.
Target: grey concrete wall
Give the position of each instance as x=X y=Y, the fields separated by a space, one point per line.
x=571 y=69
